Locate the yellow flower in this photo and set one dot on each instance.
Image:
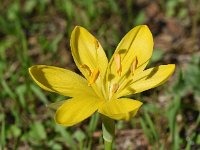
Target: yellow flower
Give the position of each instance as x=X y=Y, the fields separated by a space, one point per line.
x=105 y=82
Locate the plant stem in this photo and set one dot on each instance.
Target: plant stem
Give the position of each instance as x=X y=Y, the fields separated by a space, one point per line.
x=107 y=145
x=108 y=127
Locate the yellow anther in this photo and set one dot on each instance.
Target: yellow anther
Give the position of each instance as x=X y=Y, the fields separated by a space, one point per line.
x=93 y=77
x=115 y=88
x=117 y=59
x=134 y=65
x=87 y=68
x=96 y=44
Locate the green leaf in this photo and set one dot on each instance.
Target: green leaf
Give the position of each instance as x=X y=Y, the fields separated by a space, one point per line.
x=93 y=122
x=146 y=130
x=171 y=115
x=21 y=90
x=151 y=125
x=157 y=55
x=56 y=105
x=3 y=135
x=192 y=75
x=7 y=89
x=108 y=127
x=15 y=131
x=37 y=91
x=30 y=5
x=79 y=136
x=38 y=131
x=140 y=18
x=54 y=146
x=179 y=88
x=53 y=46
x=66 y=135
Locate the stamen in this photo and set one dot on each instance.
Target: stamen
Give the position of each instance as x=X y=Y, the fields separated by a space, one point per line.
x=134 y=65
x=115 y=88
x=118 y=63
x=87 y=68
x=96 y=44
x=93 y=76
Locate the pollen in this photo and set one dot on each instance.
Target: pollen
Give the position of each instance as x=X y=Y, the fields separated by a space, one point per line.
x=117 y=59
x=93 y=77
x=87 y=68
x=134 y=65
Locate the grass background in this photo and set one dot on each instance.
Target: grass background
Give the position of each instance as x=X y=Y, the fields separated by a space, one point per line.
x=38 y=32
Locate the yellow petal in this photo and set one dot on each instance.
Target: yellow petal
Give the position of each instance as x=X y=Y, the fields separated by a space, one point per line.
x=76 y=110
x=87 y=50
x=60 y=80
x=148 y=79
x=120 y=109
x=89 y=56
x=136 y=44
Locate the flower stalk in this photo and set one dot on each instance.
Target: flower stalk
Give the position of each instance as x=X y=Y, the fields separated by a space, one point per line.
x=108 y=128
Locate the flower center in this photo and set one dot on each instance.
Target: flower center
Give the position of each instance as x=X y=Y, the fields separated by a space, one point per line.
x=124 y=80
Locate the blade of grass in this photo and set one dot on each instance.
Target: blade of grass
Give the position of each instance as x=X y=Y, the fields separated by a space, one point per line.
x=151 y=125
x=7 y=89
x=146 y=130
x=37 y=91
x=21 y=90
x=91 y=128
x=67 y=136
x=3 y=135
x=172 y=113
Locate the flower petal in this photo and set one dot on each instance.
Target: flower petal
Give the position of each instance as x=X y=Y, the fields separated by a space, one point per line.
x=148 y=79
x=137 y=43
x=76 y=110
x=86 y=50
x=119 y=109
x=89 y=57
x=130 y=57
x=60 y=80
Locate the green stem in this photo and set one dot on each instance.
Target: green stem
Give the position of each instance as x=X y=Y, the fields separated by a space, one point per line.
x=108 y=127
x=107 y=145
